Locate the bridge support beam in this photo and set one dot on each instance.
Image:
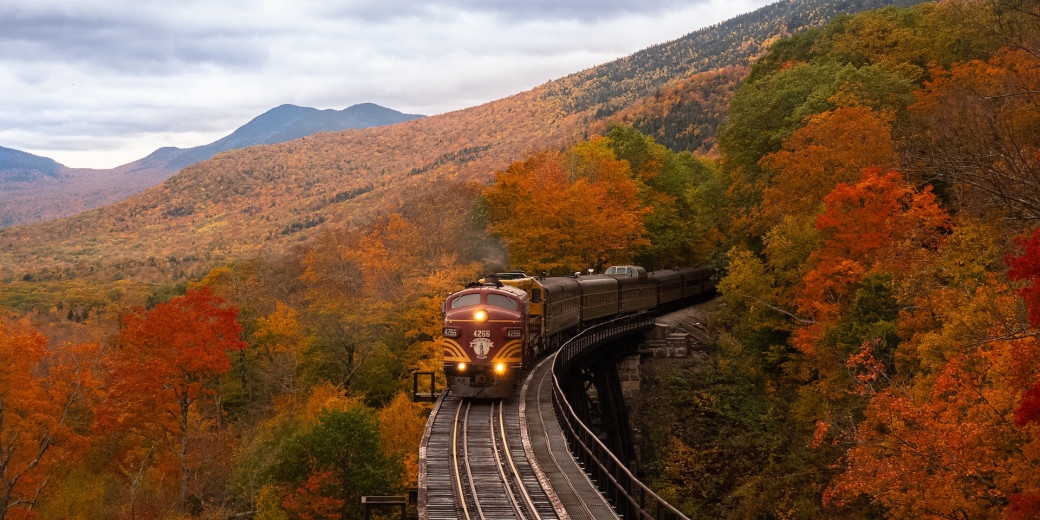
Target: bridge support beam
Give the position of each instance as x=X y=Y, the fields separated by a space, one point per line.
x=595 y=391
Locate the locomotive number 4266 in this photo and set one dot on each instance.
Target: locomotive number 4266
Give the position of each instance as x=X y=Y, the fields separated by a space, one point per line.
x=482 y=334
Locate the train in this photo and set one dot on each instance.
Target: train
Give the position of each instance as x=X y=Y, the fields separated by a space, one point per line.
x=497 y=326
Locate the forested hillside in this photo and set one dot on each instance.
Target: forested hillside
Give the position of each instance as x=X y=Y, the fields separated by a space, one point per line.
x=871 y=212
x=876 y=211
x=271 y=198
x=35 y=188
x=616 y=85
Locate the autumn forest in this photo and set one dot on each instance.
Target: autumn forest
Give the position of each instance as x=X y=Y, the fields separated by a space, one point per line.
x=869 y=196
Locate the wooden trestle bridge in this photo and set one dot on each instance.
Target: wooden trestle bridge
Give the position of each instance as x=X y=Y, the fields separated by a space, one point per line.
x=531 y=456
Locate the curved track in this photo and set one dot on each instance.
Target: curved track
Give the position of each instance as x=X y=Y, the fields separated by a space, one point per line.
x=484 y=459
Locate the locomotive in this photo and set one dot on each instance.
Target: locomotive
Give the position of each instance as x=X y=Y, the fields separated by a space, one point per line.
x=495 y=327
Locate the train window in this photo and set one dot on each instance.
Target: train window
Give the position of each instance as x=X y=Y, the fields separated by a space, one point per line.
x=499 y=300
x=465 y=300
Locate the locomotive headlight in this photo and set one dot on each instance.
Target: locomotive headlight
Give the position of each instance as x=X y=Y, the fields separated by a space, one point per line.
x=500 y=368
x=450 y=332
x=480 y=315
x=462 y=367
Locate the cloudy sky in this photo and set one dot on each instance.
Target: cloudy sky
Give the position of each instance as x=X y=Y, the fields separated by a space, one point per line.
x=100 y=83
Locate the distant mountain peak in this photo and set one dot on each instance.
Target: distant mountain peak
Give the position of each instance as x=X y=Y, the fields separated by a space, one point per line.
x=19 y=166
x=50 y=190
x=287 y=122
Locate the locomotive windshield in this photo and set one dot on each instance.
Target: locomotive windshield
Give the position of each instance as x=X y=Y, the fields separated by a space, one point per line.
x=466 y=300
x=499 y=300
x=494 y=300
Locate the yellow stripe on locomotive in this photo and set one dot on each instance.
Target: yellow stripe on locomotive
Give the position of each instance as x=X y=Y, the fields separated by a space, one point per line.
x=512 y=352
x=454 y=353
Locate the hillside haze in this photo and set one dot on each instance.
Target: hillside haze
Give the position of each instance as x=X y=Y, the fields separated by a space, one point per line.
x=267 y=199
x=37 y=188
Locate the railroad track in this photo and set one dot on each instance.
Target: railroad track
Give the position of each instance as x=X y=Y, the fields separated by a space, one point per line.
x=488 y=474
x=483 y=459
x=538 y=479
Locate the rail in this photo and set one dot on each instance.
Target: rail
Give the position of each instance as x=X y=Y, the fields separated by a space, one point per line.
x=631 y=497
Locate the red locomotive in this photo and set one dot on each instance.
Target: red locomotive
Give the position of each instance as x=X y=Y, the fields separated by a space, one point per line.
x=485 y=331
x=493 y=329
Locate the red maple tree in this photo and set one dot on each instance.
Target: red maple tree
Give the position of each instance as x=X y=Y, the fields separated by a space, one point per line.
x=172 y=355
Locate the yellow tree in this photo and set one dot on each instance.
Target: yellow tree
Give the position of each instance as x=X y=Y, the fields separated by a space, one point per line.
x=401 y=426
x=334 y=284
x=280 y=342
x=355 y=283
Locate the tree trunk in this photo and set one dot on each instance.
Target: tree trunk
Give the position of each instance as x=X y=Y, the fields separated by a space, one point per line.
x=183 y=491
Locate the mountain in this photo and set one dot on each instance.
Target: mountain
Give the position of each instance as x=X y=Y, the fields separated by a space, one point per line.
x=17 y=166
x=37 y=188
x=265 y=200
x=280 y=124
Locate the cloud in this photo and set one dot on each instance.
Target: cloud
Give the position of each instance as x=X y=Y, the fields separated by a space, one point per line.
x=103 y=82
x=588 y=10
x=126 y=37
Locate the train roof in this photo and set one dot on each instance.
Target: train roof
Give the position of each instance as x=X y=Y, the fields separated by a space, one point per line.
x=626 y=270
x=517 y=293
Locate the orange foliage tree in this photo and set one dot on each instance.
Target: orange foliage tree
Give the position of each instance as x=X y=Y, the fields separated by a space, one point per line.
x=832 y=148
x=43 y=400
x=880 y=225
x=170 y=358
x=373 y=298
x=315 y=498
x=401 y=426
x=945 y=445
x=558 y=212
x=980 y=131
